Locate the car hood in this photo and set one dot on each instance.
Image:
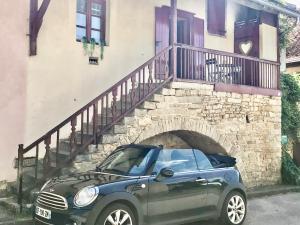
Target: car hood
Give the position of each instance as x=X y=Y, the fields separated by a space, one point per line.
x=69 y=185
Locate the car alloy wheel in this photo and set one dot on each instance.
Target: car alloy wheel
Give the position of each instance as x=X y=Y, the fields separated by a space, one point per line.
x=118 y=217
x=236 y=209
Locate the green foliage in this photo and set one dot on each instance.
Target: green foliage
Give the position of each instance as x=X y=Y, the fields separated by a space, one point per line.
x=84 y=44
x=89 y=47
x=290 y=172
x=92 y=46
x=286 y=25
x=290 y=124
x=290 y=109
x=102 y=50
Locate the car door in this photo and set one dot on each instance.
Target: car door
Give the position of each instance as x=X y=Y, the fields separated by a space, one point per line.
x=179 y=198
x=215 y=182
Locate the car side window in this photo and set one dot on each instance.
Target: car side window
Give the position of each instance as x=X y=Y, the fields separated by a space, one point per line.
x=179 y=160
x=202 y=161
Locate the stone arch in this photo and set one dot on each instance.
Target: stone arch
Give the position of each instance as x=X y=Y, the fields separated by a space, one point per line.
x=189 y=128
x=198 y=133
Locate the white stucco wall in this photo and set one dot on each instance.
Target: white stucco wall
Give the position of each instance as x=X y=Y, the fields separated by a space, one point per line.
x=13 y=64
x=60 y=80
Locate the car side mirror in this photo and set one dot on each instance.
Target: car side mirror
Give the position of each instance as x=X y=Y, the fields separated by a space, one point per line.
x=164 y=173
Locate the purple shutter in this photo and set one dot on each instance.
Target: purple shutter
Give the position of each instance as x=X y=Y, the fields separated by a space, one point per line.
x=162 y=29
x=162 y=33
x=216 y=16
x=198 y=32
x=199 y=58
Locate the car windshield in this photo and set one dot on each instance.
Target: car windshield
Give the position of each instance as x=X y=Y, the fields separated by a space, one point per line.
x=131 y=161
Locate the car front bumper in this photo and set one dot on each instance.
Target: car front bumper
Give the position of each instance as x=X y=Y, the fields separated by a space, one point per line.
x=62 y=217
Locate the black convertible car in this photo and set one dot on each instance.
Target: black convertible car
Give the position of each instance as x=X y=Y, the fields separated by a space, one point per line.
x=139 y=185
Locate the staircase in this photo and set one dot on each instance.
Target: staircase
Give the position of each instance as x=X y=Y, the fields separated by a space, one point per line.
x=80 y=136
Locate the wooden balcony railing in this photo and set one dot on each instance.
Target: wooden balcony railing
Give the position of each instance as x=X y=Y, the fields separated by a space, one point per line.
x=222 y=67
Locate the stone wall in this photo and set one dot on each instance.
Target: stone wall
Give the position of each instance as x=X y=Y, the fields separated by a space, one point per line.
x=247 y=127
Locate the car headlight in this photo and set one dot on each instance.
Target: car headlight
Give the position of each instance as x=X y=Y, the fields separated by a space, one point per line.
x=45 y=185
x=86 y=196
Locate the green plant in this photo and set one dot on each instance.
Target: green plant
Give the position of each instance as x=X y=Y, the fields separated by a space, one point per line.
x=290 y=123
x=102 y=44
x=92 y=46
x=290 y=109
x=85 y=45
x=286 y=25
x=290 y=172
x=89 y=47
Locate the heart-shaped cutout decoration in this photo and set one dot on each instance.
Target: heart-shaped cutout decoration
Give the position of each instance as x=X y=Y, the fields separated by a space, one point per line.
x=246 y=47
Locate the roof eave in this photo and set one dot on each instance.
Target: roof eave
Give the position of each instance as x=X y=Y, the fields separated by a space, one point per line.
x=276 y=7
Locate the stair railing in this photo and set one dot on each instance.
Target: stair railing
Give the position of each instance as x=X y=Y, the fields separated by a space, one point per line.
x=85 y=126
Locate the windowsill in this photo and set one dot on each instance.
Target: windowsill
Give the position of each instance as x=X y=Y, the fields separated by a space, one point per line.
x=106 y=45
x=218 y=35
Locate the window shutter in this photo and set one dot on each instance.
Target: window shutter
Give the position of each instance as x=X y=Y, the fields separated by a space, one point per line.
x=162 y=28
x=216 y=16
x=198 y=32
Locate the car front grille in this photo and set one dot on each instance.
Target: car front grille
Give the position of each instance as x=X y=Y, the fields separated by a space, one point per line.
x=52 y=200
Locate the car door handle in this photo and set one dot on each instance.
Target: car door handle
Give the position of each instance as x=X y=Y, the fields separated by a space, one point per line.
x=201 y=180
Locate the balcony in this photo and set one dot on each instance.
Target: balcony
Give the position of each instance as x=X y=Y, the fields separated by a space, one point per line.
x=228 y=71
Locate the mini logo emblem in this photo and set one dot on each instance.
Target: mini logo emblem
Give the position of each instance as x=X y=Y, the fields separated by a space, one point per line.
x=51 y=190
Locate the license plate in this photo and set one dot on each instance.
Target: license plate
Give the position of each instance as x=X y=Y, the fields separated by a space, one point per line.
x=45 y=213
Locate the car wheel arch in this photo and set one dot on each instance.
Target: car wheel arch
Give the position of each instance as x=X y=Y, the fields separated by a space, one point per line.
x=226 y=192
x=127 y=203
x=120 y=197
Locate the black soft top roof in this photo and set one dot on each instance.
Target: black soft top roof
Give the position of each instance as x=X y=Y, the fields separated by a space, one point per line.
x=139 y=146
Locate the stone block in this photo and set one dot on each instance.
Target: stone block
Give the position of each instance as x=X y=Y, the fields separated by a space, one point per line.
x=120 y=129
x=149 y=105
x=168 y=92
x=157 y=98
x=109 y=139
x=234 y=100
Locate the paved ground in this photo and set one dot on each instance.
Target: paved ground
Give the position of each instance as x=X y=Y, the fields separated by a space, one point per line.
x=281 y=209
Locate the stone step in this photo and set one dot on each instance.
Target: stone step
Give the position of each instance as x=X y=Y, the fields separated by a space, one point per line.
x=10 y=203
x=12 y=206
x=29 y=176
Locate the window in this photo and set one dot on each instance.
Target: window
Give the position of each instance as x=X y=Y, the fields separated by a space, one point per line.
x=90 y=20
x=179 y=160
x=216 y=17
x=245 y=14
x=202 y=161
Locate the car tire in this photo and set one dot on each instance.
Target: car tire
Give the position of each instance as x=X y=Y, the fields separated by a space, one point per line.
x=115 y=213
x=234 y=209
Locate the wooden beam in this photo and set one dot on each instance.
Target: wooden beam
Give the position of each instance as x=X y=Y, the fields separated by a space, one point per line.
x=278 y=54
x=173 y=37
x=36 y=21
x=244 y=89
